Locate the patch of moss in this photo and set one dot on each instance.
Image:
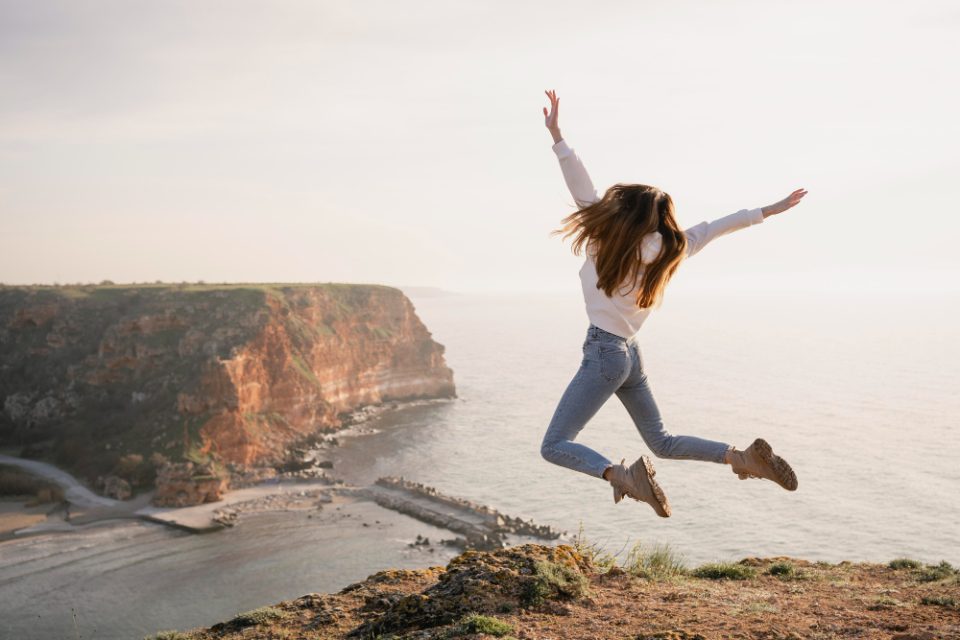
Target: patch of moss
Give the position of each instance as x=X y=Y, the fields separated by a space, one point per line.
x=168 y=635
x=302 y=333
x=937 y=572
x=383 y=333
x=758 y=608
x=905 y=563
x=781 y=569
x=257 y=616
x=478 y=623
x=940 y=601
x=724 y=571
x=324 y=329
x=192 y=441
x=660 y=562
x=787 y=571
x=884 y=602
x=553 y=580
x=304 y=370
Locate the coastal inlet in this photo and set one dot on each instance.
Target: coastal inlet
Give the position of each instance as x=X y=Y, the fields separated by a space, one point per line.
x=189 y=405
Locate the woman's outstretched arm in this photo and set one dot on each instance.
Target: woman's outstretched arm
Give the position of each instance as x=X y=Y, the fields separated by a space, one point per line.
x=574 y=173
x=699 y=235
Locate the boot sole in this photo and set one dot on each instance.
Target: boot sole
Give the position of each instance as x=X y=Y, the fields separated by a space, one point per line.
x=785 y=476
x=664 y=510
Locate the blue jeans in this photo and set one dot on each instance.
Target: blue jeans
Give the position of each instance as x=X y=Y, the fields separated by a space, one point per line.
x=612 y=364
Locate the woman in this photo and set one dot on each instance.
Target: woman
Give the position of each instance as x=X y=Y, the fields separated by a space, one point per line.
x=633 y=246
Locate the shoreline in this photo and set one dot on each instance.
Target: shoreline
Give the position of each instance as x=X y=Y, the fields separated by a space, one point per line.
x=87 y=507
x=18 y=520
x=300 y=483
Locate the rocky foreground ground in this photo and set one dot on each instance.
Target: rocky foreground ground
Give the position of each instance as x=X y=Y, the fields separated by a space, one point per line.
x=534 y=591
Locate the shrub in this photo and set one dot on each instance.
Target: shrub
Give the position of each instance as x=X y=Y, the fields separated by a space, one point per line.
x=787 y=571
x=592 y=551
x=17 y=482
x=724 y=571
x=935 y=572
x=128 y=465
x=552 y=580
x=884 y=602
x=476 y=623
x=168 y=635
x=258 y=616
x=781 y=569
x=904 y=563
x=939 y=601
x=658 y=563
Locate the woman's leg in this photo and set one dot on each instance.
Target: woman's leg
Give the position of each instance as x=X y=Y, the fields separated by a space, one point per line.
x=637 y=397
x=590 y=388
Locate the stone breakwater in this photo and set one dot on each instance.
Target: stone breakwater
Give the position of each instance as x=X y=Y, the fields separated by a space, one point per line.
x=299 y=500
x=482 y=527
x=123 y=380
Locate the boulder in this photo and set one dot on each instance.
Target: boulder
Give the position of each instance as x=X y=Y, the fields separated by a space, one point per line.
x=186 y=484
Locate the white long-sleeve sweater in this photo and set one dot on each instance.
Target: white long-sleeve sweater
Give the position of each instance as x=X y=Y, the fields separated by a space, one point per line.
x=620 y=314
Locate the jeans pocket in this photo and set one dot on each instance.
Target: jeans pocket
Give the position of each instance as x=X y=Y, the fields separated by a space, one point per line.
x=614 y=361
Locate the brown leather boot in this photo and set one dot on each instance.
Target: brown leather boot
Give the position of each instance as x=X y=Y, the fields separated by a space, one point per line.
x=759 y=461
x=637 y=482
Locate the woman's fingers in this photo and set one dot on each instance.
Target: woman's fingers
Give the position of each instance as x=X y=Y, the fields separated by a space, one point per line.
x=551 y=116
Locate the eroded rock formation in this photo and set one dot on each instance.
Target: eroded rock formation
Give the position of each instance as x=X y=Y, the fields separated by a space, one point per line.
x=227 y=375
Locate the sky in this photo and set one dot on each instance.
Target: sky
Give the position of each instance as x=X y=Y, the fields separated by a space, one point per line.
x=403 y=143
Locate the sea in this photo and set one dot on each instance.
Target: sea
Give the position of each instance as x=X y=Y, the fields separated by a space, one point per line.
x=859 y=392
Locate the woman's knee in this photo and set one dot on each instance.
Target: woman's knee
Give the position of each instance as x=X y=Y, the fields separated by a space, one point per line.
x=547 y=450
x=663 y=446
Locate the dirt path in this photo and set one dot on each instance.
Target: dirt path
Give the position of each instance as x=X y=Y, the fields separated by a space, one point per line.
x=73 y=490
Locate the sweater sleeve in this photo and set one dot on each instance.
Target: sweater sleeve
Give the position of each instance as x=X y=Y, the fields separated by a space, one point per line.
x=699 y=235
x=576 y=176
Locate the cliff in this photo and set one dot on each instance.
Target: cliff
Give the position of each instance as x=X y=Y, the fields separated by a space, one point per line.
x=569 y=592
x=125 y=380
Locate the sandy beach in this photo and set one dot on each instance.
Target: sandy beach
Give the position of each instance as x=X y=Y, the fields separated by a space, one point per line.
x=87 y=507
x=18 y=514
x=18 y=519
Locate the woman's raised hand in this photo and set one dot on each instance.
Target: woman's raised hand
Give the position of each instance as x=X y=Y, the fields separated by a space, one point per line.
x=791 y=200
x=550 y=118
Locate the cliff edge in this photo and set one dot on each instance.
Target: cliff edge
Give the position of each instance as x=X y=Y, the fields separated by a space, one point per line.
x=127 y=382
x=568 y=592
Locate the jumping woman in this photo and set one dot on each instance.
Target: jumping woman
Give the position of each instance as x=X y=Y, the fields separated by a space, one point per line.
x=633 y=247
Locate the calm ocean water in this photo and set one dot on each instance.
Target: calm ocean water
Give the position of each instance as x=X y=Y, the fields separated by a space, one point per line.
x=860 y=394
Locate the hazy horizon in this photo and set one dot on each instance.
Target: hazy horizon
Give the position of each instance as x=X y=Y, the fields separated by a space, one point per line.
x=403 y=144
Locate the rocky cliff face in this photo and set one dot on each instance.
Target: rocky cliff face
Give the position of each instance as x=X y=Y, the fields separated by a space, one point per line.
x=96 y=376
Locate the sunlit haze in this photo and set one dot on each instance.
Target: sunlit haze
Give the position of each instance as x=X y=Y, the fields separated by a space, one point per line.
x=403 y=143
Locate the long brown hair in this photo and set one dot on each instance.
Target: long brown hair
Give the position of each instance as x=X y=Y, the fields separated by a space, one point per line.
x=616 y=225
